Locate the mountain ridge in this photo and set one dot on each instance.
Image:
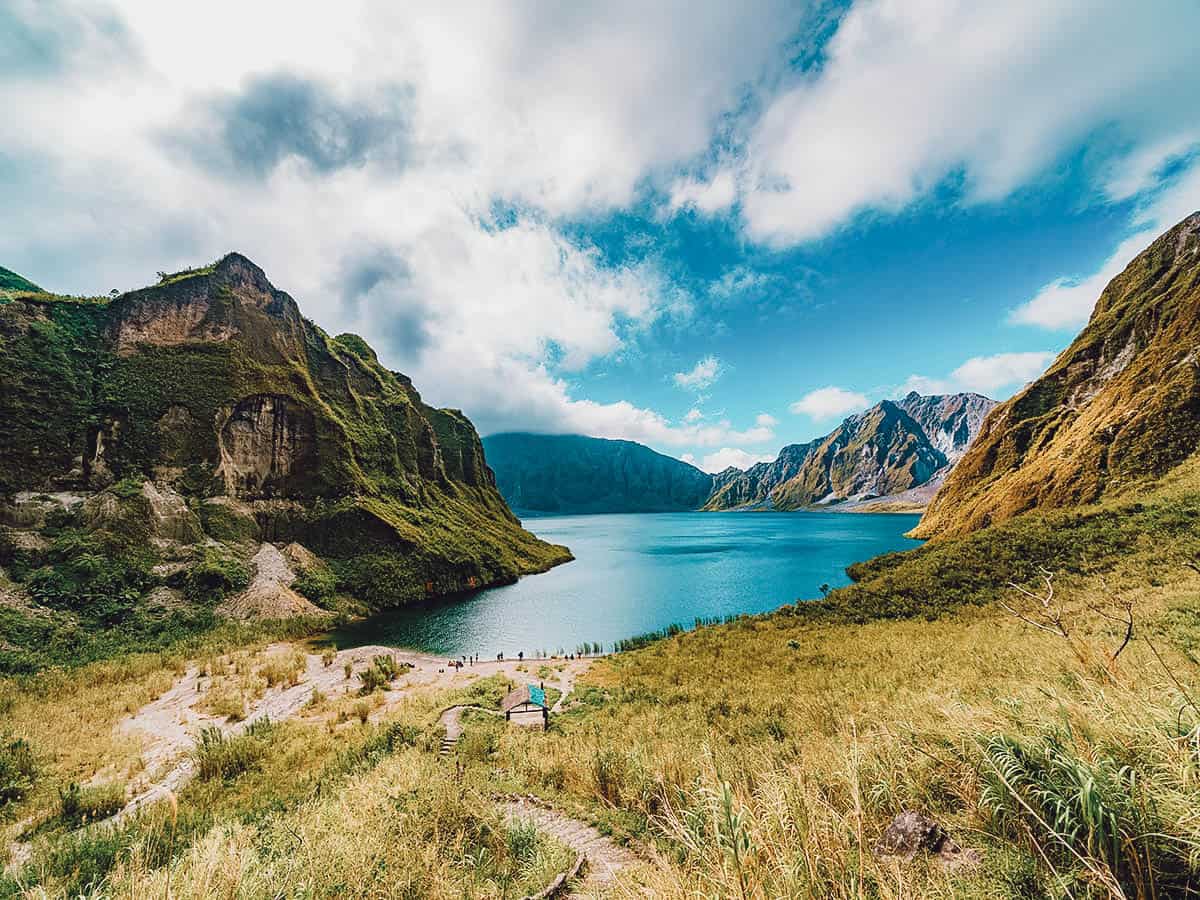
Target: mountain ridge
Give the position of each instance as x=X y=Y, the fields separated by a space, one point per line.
x=872 y=456
x=899 y=461
x=576 y=473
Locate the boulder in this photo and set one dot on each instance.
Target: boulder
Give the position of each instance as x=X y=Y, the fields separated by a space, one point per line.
x=911 y=833
x=170 y=517
x=156 y=512
x=301 y=558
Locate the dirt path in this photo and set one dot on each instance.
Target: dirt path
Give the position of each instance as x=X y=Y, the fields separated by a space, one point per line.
x=451 y=720
x=170 y=723
x=604 y=857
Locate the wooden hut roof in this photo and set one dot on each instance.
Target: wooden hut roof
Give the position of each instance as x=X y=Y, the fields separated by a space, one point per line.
x=519 y=697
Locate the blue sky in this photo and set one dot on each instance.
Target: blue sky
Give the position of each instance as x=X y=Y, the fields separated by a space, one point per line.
x=713 y=228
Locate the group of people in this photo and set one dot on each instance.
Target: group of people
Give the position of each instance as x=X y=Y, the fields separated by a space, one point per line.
x=473 y=658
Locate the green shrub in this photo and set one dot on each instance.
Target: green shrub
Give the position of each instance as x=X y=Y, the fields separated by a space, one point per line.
x=478 y=744
x=1078 y=808
x=79 y=804
x=128 y=487
x=318 y=584
x=522 y=839
x=60 y=518
x=223 y=523
x=214 y=576
x=92 y=575
x=382 y=671
x=18 y=769
x=224 y=756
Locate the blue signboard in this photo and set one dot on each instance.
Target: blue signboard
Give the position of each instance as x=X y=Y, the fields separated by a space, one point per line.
x=537 y=695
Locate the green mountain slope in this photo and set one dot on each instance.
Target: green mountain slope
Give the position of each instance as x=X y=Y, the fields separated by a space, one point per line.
x=11 y=281
x=212 y=385
x=572 y=473
x=1118 y=409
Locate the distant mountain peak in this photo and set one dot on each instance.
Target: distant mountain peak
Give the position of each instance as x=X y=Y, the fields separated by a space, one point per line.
x=571 y=473
x=893 y=447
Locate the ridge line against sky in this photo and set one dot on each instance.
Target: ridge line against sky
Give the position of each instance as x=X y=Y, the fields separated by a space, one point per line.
x=712 y=228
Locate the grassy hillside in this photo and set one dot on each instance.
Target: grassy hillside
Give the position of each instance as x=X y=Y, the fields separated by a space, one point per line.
x=760 y=758
x=1116 y=411
x=11 y=281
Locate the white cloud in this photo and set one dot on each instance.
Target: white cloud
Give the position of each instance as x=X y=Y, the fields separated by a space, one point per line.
x=693 y=415
x=766 y=420
x=828 y=402
x=708 y=197
x=995 y=376
x=722 y=459
x=689 y=458
x=989 y=374
x=912 y=92
x=551 y=112
x=700 y=376
x=1066 y=303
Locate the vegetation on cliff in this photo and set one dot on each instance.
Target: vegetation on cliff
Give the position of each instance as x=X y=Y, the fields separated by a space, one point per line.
x=1117 y=410
x=247 y=422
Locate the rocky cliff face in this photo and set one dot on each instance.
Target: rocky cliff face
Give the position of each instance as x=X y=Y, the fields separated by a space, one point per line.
x=576 y=474
x=1118 y=409
x=213 y=387
x=949 y=421
x=892 y=448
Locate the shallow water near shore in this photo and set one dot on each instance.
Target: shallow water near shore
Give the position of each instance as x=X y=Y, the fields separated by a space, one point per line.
x=639 y=573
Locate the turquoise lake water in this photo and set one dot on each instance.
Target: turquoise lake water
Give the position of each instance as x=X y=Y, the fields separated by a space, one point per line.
x=639 y=573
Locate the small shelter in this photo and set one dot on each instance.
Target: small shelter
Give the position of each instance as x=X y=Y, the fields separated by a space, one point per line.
x=526 y=699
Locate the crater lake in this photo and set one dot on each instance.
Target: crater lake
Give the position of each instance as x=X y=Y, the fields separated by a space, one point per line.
x=635 y=573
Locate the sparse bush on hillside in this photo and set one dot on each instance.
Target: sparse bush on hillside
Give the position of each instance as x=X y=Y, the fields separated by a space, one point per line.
x=79 y=804
x=382 y=671
x=18 y=769
x=224 y=756
x=284 y=667
x=318 y=584
x=85 y=573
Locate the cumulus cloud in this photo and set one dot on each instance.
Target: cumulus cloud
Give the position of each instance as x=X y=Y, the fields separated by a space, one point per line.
x=722 y=459
x=401 y=172
x=279 y=115
x=995 y=376
x=41 y=38
x=828 y=402
x=766 y=420
x=913 y=93
x=708 y=197
x=701 y=376
x=693 y=415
